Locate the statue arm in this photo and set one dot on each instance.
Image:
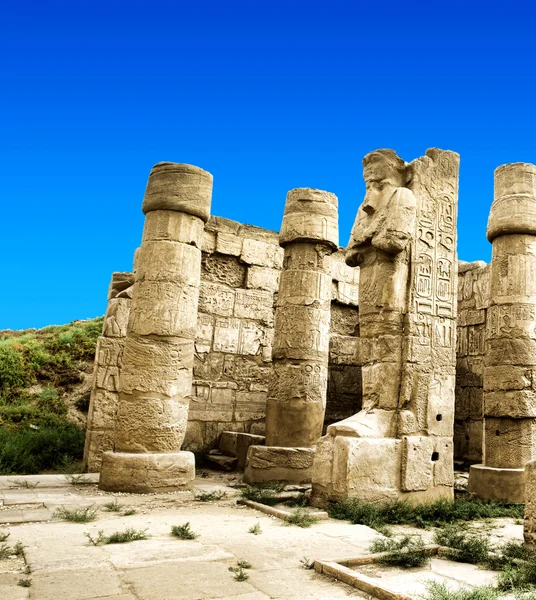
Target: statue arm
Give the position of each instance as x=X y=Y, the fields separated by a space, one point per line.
x=399 y=226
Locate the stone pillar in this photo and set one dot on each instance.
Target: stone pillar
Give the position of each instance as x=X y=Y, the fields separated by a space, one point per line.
x=297 y=392
x=510 y=354
x=156 y=377
x=108 y=360
x=399 y=446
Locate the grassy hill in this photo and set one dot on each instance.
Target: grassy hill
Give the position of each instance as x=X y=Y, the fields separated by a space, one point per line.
x=45 y=383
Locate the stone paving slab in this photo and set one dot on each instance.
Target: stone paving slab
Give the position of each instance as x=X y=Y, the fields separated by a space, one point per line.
x=43 y=481
x=66 y=566
x=80 y=584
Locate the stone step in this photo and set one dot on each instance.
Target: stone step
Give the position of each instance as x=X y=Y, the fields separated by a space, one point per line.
x=227 y=463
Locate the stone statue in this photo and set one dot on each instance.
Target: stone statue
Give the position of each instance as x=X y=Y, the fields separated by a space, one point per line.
x=386 y=220
x=404 y=242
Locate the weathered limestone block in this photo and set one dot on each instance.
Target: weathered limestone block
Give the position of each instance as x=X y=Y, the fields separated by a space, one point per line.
x=108 y=364
x=228 y=243
x=404 y=242
x=116 y=318
x=221 y=268
x=256 y=252
x=146 y=473
x=121 y=286
x=262 y=278
x=510 y=340
x=265 y=464
x=216 y=299
x=156 y=378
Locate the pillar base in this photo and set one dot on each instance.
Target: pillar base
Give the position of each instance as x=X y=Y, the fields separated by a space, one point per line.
x=380 y=470
x=273 y=463
x=147 y=473
x=499 y=485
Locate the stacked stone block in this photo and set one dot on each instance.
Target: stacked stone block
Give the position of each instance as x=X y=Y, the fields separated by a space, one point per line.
x=108 y=362
x=298 y=386
x=473 y=296
x=156 y=376
x=510 y=358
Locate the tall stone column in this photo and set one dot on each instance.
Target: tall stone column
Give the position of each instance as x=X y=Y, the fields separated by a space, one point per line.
x=510 y=354
x=297 y=393
x=156 y=377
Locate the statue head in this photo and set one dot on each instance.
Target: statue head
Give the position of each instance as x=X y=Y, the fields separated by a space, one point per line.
x=384 y=167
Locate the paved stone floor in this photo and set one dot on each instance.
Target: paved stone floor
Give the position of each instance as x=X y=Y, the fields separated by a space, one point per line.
x=62 y=565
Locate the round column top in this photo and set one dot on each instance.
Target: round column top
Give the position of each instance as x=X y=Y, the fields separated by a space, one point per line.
x=310 y=215
x=514 y=205
x=179 y=187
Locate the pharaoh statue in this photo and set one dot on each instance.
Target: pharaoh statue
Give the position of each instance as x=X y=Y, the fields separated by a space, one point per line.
x=403 y=241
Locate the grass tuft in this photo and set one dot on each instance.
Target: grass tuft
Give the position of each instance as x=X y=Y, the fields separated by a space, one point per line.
x=440 y=591
x=25 y=583
x=436 y=514
x=78 y=515
x=78 y=479
x=129 y=535
x=22 y=484
x=406 y=552
x=254 y=529
x=209 y=496
x=239 y=571
x=467 y=546
x=306 y=563
x=266 y=493
x=112 y=506
x=4 y=535
x=301 y=518
x=183 y=532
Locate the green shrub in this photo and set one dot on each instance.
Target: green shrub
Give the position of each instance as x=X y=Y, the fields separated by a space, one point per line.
x=441 y=591
x=77 y=515
x=435 y=514
x=406 y=552
x=266 y=493
x=183 y=532
x=468 y=546
x=30 y=451
x=13 y=372
x=301 y=517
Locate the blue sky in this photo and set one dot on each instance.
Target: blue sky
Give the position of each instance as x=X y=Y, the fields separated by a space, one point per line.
x=267 y=96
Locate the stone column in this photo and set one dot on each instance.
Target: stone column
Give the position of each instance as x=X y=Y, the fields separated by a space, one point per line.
x=510 y=354
x=297 y=392
x=108 y=360
x=156 y=376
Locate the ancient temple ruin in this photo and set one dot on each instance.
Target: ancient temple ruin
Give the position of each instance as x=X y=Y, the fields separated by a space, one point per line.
x=367 y=370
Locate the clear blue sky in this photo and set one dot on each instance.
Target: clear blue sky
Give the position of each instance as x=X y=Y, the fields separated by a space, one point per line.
x=267 y=96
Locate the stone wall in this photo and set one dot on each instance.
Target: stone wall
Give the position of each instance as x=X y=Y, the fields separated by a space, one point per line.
x=473 y=299
x=233 y=347
x=240 y=276
x=239 y=283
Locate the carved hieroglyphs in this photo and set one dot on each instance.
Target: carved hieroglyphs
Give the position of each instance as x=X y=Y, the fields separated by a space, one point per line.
x=156 y=376
x=404 y=241
x=297 y=393
x=510 y=357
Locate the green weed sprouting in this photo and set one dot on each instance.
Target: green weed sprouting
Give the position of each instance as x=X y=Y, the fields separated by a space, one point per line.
x=302 y=518
x=255 y=529
x=77 y=515
x=209 y=496
x=183 y=532
x=407 y=551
